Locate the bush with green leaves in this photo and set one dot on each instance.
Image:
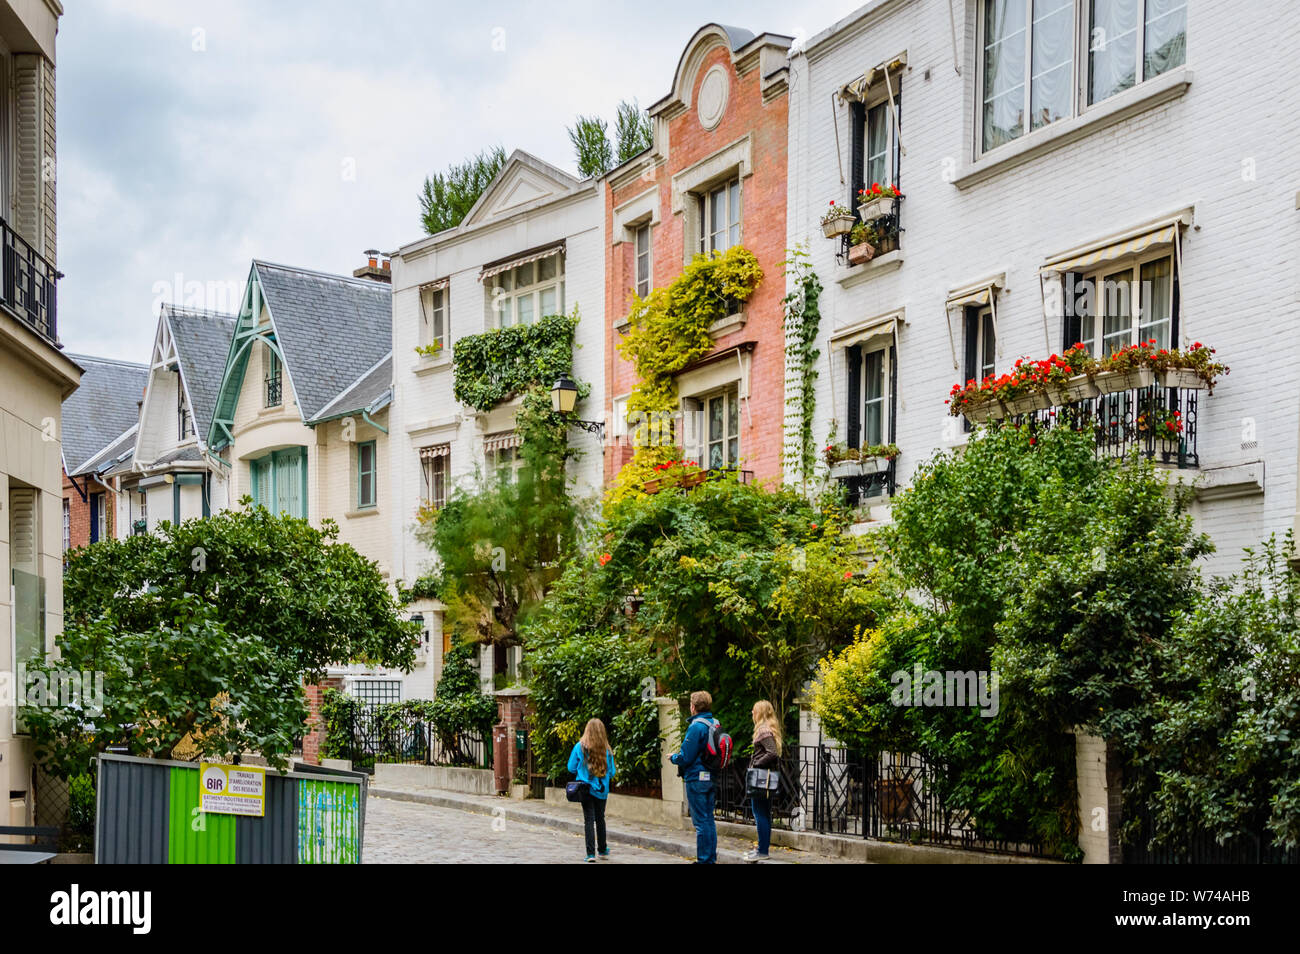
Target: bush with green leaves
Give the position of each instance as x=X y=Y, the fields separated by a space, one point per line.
x=459 y=705
x=1028 y=555
x=206 y=631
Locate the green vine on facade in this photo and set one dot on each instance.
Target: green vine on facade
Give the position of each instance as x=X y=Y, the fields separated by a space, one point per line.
x=670 y=326
x=495 y=366
x=669 y=330
x=802 y=321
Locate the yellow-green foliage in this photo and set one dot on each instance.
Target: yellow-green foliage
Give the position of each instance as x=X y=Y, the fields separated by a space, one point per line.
x=669 y=329
x=670 y=326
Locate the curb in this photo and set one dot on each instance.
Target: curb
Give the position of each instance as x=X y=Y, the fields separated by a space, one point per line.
x=551 y=820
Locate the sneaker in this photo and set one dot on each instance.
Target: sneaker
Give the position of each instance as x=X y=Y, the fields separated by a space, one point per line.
x=604 y=855
x=591 y=858
x=753 y=857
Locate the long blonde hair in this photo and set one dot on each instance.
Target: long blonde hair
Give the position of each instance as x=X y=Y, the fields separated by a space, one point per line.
x=766 y=723
x=595 y=744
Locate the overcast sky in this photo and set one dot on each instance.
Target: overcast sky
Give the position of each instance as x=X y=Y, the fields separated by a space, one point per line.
x=194 y=137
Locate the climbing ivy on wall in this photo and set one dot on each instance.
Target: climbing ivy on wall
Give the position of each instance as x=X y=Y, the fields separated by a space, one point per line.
x=802 y=319
x=669 y=330
x=496 y=365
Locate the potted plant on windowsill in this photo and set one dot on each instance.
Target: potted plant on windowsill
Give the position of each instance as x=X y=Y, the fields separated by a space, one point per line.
x=846 y=462
x=838 y=220
x=876 y=201
x=1165 y=425
x=976 y=400
x=863 y=240
x=1066 y=376
x=429 y=351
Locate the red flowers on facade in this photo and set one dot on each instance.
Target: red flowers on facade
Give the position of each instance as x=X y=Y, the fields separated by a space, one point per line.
x=605 y=558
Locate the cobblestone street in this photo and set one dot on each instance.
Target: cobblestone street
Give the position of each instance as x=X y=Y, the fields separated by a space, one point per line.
x=410 y=833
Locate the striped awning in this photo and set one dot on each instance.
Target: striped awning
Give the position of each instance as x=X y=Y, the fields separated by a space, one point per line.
x=439 y=285
x=877 y=328
x=496 y=268
x=495 y=442
x=1163 y=232
x=857 y=89
x=434 y=451
x=976 y=293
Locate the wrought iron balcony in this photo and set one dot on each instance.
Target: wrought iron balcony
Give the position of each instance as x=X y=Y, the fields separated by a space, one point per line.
x=1158 y=423
x=29 y=285
x=871 y=486
x=274 y=391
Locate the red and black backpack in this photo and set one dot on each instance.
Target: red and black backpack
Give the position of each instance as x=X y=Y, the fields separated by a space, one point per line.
x=717 y=748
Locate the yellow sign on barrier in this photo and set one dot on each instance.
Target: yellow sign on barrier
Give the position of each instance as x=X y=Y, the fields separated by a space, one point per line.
x=232 y=789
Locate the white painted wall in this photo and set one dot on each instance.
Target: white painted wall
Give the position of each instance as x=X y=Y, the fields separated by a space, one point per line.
x=1239 y=261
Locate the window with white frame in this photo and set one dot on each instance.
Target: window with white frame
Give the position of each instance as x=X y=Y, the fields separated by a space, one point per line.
x=435 y=469
x=521 y=295
x=719 y=209
x=1123 y=304
x=501 y=452
x=721 y=428
x=643 y=261
x=1047 y=60
x=184 y=423
x=433 y=315
x=67 y=524
x=875 y=397
x=880 y=147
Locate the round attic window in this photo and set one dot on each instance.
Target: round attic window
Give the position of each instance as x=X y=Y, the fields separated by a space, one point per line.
x=713 y=97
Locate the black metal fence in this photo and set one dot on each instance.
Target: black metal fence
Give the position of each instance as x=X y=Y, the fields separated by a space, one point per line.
x=883 y=483
x=29 y=284
x=1251 y=848
x=889 y=796
x=380 y=734
x=1159 y=423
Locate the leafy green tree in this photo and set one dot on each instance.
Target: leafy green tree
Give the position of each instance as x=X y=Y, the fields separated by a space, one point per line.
x=207 y=630
x=632 y=130
x=459 y=705
x=448 y=196
x=590 y=138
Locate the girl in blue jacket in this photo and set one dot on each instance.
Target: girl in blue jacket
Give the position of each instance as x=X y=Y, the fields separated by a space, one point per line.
x=593 y=762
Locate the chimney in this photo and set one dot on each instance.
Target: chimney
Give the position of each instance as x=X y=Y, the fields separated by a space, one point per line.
x=372 y=269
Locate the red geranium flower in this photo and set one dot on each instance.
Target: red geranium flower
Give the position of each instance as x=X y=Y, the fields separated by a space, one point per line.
x=605 y=558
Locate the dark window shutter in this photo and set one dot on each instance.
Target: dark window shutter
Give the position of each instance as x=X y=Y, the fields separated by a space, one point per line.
x=1175 y=305
x=971 y=320
x=893 y=394
x=853 y=355
x=857 y=151
x=1071 y=324
x=898 y=109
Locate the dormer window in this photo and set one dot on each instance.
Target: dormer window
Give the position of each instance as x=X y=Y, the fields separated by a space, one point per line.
x=274 y=382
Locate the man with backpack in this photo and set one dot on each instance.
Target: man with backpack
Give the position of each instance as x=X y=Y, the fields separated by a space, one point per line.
x=704 y=754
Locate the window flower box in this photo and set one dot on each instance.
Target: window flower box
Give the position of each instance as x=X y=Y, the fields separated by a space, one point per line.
x=984 y=411
x=1030 y=401
x=863 y=467
x=1080 y=388
x=1110 y=382
x=1183 y=378
x=838 y=221
x=876 y=201
x=693 y=480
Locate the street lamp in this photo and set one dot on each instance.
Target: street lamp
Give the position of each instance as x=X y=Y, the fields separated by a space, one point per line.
x=564 y=396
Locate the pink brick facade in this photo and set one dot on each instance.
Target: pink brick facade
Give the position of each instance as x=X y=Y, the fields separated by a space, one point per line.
x=747 y=141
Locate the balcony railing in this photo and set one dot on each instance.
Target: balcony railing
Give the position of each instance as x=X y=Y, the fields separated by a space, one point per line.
x=29 y=285
x=865 y=487
x=274 y=391
x=1136 y=420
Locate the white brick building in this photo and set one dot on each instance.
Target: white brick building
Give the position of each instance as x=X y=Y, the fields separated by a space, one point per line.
x=530 y=247
x=1184 y=180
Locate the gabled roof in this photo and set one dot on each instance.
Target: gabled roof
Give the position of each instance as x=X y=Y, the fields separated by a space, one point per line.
x=523 y=181
x=202 y=342
x=101 y=409
x=372 y=391
x=330 y=330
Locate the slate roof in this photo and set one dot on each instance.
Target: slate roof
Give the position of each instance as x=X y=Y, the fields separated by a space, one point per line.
x=202 y=340
x=105 y=405
x=369 y=392
x=333 y=330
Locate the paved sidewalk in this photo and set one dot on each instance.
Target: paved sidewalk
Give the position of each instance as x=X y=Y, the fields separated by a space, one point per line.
x=534 y=812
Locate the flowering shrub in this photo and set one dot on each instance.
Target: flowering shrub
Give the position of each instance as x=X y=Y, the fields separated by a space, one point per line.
x=837 y=212
x=1165 y=423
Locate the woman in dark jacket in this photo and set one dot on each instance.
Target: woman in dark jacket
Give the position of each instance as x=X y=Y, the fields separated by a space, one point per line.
x=767 y=755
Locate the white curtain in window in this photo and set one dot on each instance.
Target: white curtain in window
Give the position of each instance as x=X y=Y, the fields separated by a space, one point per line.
x=1165 y=36
x=1004 y=71
x=1112 y=47
x=1053 y=56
